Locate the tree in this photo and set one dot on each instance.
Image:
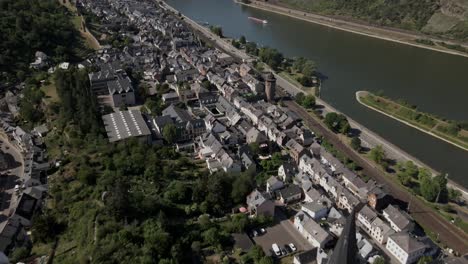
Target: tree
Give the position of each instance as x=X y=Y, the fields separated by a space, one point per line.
x=308 y=68
x=170 y=133
x=379 y=260
x=241 y=186
x=217 y=30
x=251 y=48
x=308 y=101
x=356 y=143
x=429 y=188
x=242 y=40
x=235 y=43
x=454 y=194
x=299 y=98
x=377 y=154
x=265 y=260
x=337 y=122
x=441 y=182
x=425 y=260
x=411 y=169
x=20 y=253
x=404 y=178
x=271 y=56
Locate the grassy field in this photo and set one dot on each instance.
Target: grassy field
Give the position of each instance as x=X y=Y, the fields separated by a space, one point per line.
x=446 y=130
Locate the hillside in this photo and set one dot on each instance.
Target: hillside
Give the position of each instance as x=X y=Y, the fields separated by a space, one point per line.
x=442 y=18
x=30 y=26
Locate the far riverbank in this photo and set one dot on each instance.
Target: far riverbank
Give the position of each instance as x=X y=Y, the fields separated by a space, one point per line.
x=393 y=35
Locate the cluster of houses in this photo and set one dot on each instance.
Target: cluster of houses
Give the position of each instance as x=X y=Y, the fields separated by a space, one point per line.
x=23 y=189
x=326 y=191
x=218 y=106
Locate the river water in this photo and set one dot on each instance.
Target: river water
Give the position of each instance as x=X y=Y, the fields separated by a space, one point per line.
x=436 y=82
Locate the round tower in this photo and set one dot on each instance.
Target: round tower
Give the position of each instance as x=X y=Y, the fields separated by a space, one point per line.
x=270 y=87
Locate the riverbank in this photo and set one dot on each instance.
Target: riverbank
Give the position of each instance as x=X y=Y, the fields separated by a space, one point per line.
x=369 y=138
x=387 y=34
x=395 y=111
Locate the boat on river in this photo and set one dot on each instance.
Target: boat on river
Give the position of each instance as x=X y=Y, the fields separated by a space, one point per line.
x=258 y=20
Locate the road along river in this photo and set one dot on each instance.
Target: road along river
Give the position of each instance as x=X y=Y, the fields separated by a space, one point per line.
x=436 y=82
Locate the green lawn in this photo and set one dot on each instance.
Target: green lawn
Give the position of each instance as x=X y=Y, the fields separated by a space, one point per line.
x=419 y=119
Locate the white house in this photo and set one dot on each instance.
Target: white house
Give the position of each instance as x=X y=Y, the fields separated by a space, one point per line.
x=315 y=210
x=310 y=230
x=405 y=248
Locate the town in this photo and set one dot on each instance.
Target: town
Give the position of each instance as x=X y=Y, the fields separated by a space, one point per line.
x=219 y=109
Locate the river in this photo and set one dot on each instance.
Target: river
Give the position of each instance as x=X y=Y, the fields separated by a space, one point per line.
x=436 y=82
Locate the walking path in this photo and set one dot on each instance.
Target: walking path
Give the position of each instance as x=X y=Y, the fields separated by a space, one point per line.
x=394 y=35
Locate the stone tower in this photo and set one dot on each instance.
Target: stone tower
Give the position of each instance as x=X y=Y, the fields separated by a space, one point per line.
x=270 y=87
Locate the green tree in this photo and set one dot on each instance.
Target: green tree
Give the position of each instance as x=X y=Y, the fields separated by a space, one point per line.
x=20 y=253
x=299 y=98
x=441 y=182
x=251 y=48
x=379 y=260
x=217 y=30
x=308 y=101
x=169 y=133
x=429 y=188
x=377 y=154
x=425 y=260
x=266 y=260
x=241 y=186
x=454 y=194
x=271 y=56
x=242 y=40
x=235 y=43
x=356 y=143
x=404 y=178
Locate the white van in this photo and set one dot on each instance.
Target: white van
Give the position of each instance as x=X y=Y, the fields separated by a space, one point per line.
x=276 y=249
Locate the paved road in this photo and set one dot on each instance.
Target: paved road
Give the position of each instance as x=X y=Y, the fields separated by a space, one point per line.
x=12 y=177
x=449 y=234
x=220 y=42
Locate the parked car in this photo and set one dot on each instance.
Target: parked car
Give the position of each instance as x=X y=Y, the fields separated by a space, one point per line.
x=284 y=252
x=292 y=246
x=262 y=231
x=276 y=249
x=254 y=233
x=288 y=248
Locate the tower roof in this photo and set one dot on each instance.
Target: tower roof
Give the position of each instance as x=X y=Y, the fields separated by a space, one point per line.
x=346 y=250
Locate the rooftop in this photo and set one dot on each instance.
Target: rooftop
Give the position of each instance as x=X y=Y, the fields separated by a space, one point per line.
x=125 y=124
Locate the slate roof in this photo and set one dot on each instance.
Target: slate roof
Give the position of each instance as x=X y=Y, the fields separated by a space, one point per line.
x=407 y=242
x=399 y=218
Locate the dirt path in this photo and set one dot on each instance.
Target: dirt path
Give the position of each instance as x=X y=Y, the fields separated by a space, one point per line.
x=449 y=234
x=394 y=35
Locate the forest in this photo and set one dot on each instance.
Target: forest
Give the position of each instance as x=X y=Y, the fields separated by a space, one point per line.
x=29 y=26
x=130 y=202
x=412 y=14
